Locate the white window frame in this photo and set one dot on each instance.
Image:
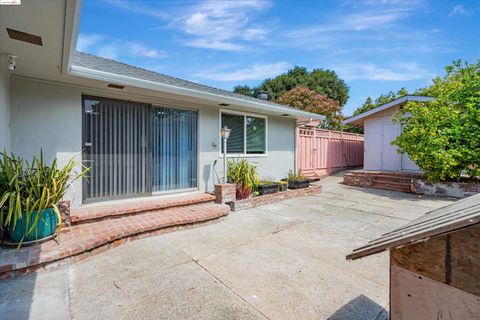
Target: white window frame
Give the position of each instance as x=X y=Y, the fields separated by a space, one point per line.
x=244 y=154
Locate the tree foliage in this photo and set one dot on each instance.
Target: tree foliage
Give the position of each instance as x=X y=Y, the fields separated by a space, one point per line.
x=323 y=82
x=382 y=99
x=306 y=99
x=442 y=136
x=245 y=90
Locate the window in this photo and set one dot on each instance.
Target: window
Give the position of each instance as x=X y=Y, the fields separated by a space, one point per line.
x=255 y=135
x=248 y=135
x=235 y=143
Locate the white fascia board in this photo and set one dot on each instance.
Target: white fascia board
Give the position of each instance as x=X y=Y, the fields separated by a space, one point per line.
x=73 y=9
x=386 y=106
x=152 y=85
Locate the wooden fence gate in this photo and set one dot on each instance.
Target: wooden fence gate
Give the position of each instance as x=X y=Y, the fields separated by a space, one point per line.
x=322 y=152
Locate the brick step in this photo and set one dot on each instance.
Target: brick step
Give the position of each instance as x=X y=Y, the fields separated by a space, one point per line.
x=78 y=242
x=392 y=186
x=391 y=176
x=392 y=179
x=90 y=213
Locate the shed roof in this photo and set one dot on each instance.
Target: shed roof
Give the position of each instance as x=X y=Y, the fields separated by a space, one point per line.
x=358 y=119
x=85 y=61
x=458 y=215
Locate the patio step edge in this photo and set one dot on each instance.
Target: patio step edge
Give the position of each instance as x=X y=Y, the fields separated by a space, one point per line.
x=134 y=207
x=98 y=244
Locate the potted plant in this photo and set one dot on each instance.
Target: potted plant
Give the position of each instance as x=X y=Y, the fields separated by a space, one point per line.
x=282 y=186
x=29 y=194
x=296 y=180
x=267 y=187
x=243 y=175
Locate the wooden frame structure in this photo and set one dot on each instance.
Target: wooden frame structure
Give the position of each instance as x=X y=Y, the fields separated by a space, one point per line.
x=434 y=263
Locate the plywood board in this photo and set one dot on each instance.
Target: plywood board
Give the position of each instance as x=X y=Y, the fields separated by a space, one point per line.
x=426 y=258
x=418 y=297
x=465 y=259
x=453 y=259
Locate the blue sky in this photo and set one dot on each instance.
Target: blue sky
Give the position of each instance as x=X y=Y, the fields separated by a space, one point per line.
x=375 y=46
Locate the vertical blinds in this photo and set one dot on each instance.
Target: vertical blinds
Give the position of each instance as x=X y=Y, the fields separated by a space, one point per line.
x=256 y=135
x=253 y=142
x=116 y=148
x=134 y=149
x=235 y=143
x=174 y=149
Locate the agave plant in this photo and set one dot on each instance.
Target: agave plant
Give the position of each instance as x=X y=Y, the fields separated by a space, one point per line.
x=27 y=188
x=244 y=175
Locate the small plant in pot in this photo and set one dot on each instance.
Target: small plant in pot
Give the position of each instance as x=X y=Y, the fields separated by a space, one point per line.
x=29 y=194
x=244 y=176
x=267 y=186
x=282 y=186
x=296 y=180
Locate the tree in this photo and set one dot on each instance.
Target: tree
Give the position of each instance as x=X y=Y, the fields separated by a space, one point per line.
x=382 y=99
x=323 y=82
x=245 y=90
x=306 y=99
x=442 y=136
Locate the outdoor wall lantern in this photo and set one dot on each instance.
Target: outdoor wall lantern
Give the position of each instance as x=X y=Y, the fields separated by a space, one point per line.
x=225 y=133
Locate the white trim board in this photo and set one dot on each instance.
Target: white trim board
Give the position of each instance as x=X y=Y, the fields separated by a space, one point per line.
x=356 y=119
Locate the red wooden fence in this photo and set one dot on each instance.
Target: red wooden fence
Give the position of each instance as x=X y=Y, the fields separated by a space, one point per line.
x=321 y=152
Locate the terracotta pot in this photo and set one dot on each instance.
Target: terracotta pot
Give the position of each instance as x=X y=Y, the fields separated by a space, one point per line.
x=242 y=193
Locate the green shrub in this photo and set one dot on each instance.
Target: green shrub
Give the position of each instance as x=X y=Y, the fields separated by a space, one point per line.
x=443 y=136
x=243 y=174
x=30 y=187
x=294 y=176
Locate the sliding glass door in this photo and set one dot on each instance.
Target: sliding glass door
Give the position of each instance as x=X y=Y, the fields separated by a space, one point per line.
x=116 y=148
x=134 y=149
x=174 y=149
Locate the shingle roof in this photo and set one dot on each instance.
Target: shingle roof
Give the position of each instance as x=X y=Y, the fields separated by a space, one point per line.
x=358 y=118
x=89 y=61
x=457 y=215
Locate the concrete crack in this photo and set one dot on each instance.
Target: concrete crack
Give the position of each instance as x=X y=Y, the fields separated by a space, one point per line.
x=234 y=292
x=220 y=281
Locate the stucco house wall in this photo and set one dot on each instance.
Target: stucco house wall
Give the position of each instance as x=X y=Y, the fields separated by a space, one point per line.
x=48 y=115
x=379 y=131
x=4 y=105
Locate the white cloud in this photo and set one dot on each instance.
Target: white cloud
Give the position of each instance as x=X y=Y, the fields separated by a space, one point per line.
x=211 y=24
x=108 y=51
x=86 y=41
x=256 y=72
x=220 y=24
x=135 y=7
x=112 y=48
x=214 y=44
x=362 y=20
x=374 y=19
x=255 y=34
x=406 y=71
x=459 y=10
x=138 y=49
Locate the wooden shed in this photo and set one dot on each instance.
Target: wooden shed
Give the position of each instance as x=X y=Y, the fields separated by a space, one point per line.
x=434 y=263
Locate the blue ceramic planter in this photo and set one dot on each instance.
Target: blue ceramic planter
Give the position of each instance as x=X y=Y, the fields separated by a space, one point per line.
x=46 y=226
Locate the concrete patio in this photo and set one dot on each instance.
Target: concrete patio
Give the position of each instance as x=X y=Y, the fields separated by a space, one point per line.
x=279 y=261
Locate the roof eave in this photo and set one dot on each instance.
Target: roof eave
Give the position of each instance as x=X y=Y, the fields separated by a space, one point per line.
x=73 y=11
x=147 y=84
x=359 y=119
